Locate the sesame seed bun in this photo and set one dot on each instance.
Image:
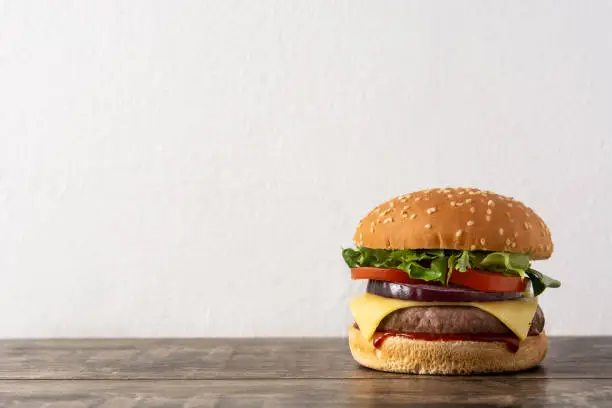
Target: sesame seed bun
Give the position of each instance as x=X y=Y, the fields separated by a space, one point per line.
x=402 y=355
x=455 y=218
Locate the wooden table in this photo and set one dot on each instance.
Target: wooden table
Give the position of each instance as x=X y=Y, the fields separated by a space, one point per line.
x=278 y=373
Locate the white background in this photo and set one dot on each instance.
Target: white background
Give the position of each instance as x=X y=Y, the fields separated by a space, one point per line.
x=193 y=168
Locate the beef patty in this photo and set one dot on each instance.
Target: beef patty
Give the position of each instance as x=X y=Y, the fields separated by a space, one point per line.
x=452 y=319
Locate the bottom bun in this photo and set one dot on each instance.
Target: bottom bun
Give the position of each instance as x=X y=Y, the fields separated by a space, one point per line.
x=402 y=355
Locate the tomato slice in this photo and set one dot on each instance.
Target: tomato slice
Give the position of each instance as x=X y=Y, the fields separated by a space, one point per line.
x=471 y=278
x=488 y=281
x=382 y=274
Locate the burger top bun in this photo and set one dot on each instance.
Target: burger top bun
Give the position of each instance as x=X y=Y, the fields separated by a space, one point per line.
x=455 y=218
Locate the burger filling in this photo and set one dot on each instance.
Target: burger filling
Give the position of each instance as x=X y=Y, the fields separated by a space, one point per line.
x=435 y=294
x=507 y=272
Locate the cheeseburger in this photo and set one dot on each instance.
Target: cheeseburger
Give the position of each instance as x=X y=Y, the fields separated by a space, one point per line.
x=450 y=287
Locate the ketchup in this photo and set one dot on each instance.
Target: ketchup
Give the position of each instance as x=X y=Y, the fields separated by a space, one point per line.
x=512 y=342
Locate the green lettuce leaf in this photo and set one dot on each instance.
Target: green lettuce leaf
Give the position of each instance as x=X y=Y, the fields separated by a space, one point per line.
x=452 y=262
x=540 y=282
x=417 y=271
x=463 y=262
x=438 y=265
x=510 y=264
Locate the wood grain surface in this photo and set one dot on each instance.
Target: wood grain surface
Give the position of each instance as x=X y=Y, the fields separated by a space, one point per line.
x=208 y=359
x=370 y=392
x=278 y=373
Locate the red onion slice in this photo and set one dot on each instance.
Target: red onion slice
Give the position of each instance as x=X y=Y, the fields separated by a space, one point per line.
x=435 y=293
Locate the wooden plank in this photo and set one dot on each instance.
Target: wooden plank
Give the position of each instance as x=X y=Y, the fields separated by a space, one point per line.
x=422 y=391
x=569 y=357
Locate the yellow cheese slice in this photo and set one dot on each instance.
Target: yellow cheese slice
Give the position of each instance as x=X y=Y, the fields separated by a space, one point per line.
x=369 y=310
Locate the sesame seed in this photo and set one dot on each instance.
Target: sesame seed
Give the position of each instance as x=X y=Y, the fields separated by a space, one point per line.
x=472 y=193
x=458 y=233
x=461 y=193
x=527 y=214
x=428 y=226
x=491 y=203
x=431 y=210
x=388 y=220
x=468 y=201
x=508 y=241
x=489 y=211
x=470 y=223
x=483 y=241
x=413 y=216
x=508 y=214
x=526 y=225
x=510 y=205
x=513 y=245
x=488 y=217
x=391 y=204
x=516 y=234
x=472 y=210
x=459 y=204
x=452 y=203
x=540 y=247
x=372 y=227
x=361 y=236
x=548 y=247
x=417 y=199
x=449 y=195
x=387 y=211
x=472 y=247
x=404 y=214
x=501 y=231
